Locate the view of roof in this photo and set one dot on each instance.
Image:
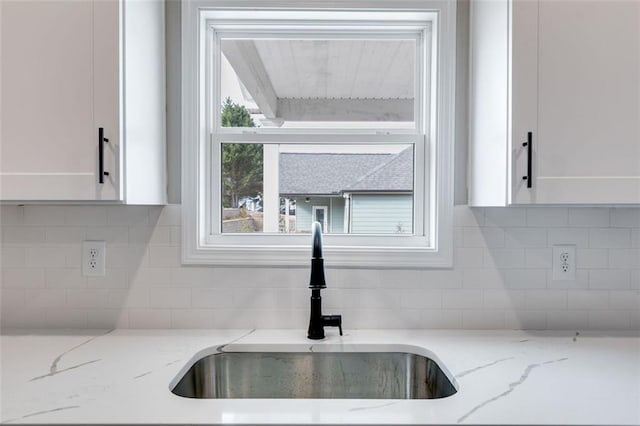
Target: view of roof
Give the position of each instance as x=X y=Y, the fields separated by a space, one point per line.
x=337 y=173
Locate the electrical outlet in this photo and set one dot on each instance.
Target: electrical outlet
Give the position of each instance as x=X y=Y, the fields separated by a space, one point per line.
x=564 y=263
x=93 y=258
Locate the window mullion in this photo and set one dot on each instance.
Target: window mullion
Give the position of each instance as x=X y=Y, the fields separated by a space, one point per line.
x=301 y=139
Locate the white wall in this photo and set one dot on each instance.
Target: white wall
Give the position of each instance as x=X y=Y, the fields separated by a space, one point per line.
x=501 y=277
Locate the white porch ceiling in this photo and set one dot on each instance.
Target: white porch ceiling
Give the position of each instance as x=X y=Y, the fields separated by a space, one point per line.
x=327 y=80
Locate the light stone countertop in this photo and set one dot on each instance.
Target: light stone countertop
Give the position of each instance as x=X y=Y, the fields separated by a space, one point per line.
x=503 y=377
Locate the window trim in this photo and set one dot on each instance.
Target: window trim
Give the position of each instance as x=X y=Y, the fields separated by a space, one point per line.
x=286 y=250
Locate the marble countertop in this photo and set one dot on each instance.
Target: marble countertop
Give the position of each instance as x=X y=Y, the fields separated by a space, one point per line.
x=503 y=377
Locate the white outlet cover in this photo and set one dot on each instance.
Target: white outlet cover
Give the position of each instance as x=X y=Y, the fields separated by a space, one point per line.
x=94 y=258
x=564 y=262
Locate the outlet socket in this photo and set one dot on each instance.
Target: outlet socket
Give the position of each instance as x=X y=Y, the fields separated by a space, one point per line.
x=564 y=263
x=93 y=258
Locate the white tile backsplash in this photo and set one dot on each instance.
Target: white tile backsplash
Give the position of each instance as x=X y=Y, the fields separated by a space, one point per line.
x=525 y=237
x=622 y=217
x=504 y=299
x=609 y=320
x=501 y=276
x=625 y=300
x=526 y=320
x=589 y=217
x=568 y=320
x=503 y=258
x=592 y=258
x=173 y=298
x=585 y=299
x=40 y=257
x=525 y=278
x=86 y=216
x=87 y=298
x=473 y=319
x=608 y=279
x=505 y=218
x=624 y=258
x=546 y=299
x=548 y=217
x=576 y=236
x=12 y=257
x=538 y=258
x=44 y=215
x=45 y=297
x=483 y=237
x=65 y=278
x=22 y=277
x=609 y=238
x=461 y=299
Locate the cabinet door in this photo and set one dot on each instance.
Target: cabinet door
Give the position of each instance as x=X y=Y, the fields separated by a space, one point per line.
x=587 y=144
x=49 y=139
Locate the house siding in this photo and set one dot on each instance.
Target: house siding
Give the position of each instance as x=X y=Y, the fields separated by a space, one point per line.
x=336 y=216
x=381 y=213
x=303 y=212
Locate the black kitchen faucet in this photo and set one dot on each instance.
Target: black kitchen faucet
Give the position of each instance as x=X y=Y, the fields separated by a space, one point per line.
x=317 y=321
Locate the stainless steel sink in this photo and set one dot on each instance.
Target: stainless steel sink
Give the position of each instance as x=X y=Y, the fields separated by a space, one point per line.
x=361 y=375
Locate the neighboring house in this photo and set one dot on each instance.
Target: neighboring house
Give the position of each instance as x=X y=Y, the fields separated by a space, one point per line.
x=252 y=204
x=350 y=193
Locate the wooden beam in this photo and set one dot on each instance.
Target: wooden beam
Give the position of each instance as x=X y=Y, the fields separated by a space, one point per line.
x=345 y=109
x=245 y=60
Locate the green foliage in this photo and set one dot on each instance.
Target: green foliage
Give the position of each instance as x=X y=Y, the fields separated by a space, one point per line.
x=241 y=163
x=235 y=115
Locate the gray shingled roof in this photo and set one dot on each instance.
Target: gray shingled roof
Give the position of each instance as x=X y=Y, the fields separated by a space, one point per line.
x=333 y=174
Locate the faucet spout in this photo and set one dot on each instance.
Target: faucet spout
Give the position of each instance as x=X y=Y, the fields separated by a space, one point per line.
x=316 y=235
x=317 y=280
x=317 y=321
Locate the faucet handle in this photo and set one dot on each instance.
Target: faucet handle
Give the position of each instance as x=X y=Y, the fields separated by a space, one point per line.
x=333 y=321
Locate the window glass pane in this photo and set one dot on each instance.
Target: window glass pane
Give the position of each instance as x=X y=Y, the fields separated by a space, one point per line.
x=332 y=83
x=349 y=189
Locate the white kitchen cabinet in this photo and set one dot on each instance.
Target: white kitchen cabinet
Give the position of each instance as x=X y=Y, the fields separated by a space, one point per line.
x=69 y=71
x=568 y=72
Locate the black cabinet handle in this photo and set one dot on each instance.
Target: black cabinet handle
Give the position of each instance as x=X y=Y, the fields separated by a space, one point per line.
x=529 y=145
x=101 y=141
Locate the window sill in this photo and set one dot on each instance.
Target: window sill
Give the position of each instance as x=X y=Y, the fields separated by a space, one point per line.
x=388 y=257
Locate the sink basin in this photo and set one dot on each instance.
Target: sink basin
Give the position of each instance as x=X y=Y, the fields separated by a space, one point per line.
x=361 y=375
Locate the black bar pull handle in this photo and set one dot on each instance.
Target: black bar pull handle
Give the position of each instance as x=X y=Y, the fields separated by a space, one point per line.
x=529 y=145
x=101 y=141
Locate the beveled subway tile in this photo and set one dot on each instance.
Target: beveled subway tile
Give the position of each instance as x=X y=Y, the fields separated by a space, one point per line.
x=483 y=320
x=86 y=216
x=36 y=215
x=608 y=279
x=23 y=277
x=589 y=216
x=149 y=318
x=484 y=278
x=525 y=237
x=592 y=258
x=588 y=299
x=609 y=238
x=625 y=217
x=128 y=215
x=505 y=217
x=609 y=320
x=65 y=278
x=549 y=217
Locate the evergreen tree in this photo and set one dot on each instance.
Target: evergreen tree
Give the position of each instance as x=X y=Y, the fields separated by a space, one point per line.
x=241 y=163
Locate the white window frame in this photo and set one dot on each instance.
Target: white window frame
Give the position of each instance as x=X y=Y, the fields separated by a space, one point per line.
x=431 y=244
